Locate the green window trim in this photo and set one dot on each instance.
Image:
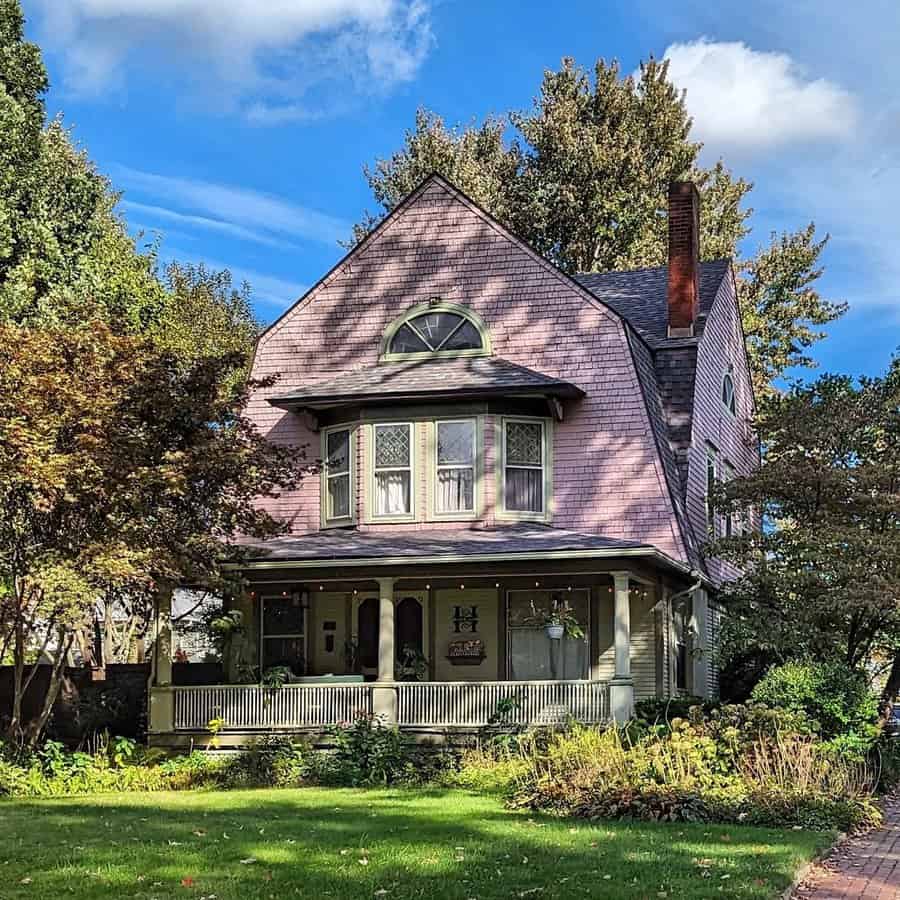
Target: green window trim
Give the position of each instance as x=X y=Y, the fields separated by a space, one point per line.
x=476 y=512
x=546 y=515
x=434 y=306
x=328 y=521
x=371 y=499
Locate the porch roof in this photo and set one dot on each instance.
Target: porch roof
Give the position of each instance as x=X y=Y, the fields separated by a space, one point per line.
x=429 y=380
x=510 y=543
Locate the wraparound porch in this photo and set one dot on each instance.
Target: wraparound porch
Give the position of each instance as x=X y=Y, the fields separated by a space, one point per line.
x=346 y=632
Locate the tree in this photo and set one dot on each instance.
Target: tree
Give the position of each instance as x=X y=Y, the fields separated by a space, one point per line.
x=584 y=180
x=205 y=315
x=122 y=469
x=822 y=580
x=61 y=239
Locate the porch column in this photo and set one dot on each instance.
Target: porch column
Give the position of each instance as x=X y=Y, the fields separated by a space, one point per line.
x=162 y=640
x=161 y=700
x=621 y=688
x=384 y=693
x=700 y=643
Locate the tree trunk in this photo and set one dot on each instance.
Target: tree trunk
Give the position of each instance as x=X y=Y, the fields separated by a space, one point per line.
x=36 y=729
x=892 y=685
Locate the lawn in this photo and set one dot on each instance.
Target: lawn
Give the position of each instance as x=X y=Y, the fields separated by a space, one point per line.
x=391 y=844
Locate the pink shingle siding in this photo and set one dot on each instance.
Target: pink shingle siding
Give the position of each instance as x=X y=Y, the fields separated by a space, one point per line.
x=721 y=345
x=608 y=477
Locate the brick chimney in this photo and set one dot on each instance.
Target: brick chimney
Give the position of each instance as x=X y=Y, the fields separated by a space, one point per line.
x=684 y=258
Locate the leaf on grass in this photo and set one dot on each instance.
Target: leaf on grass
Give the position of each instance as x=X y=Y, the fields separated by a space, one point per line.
x=187 y=882
x=363 y=861
x=249 y=861
x=25 y=881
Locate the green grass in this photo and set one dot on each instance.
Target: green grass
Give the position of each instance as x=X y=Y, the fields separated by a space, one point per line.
x=391 y=844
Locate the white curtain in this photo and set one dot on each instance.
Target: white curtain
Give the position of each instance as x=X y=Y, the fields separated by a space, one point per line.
x=392 y=489
x=339 y=491
x=455 y=490
x=525 y=490
x=534 y=657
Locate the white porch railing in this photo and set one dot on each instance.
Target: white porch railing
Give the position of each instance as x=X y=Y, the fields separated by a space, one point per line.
x=253 y=707
x=419 y=704
x=472 y=704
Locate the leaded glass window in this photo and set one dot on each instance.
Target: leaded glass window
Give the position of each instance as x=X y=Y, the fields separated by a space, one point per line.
x=437 y=331
x=393 y=469
x=455 y=489
x=524 y=466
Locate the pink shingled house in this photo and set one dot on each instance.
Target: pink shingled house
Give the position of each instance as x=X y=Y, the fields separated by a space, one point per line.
x=512 y=503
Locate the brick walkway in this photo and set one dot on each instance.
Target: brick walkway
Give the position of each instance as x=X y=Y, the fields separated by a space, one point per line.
x=863 y=868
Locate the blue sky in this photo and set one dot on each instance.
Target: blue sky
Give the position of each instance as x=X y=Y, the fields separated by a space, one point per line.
x=240 y=136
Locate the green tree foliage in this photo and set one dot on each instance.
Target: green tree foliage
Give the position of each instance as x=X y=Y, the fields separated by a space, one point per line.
x=822 y=580
x=584 y=180
x=121 y=468
x=61 y=240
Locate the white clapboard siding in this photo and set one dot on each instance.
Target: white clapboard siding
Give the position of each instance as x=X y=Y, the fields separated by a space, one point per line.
x=254 y=707
x=468 y=704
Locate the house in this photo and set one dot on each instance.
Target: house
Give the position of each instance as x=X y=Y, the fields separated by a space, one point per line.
x=503 y=447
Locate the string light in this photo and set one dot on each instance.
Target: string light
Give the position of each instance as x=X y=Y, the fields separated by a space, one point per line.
x=321 y=587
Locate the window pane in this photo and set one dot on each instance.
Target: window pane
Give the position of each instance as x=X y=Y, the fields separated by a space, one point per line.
x=391 y=446
x=392 y=494
x=464 y=338
x=337 y=445
x=456 y=443
x=525 y=490
x=339 y=497
x=407 y=341
x=282 y=616
x=728 y=393
x=455 y=490
x=523 y=443
x=284 y=652
x=436 y=327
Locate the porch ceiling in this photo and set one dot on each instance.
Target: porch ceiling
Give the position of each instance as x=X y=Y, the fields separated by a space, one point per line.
x=507 y=544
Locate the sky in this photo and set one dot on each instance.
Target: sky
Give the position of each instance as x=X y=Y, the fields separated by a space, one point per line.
x=237 y=131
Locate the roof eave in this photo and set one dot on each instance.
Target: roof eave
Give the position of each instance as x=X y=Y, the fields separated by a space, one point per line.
x=561 y=390
x=645 y=552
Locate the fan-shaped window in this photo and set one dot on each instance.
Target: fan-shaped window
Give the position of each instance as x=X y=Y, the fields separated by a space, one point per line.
x=436 y=328
x=728 y=400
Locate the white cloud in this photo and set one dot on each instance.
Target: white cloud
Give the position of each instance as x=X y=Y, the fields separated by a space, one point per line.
x=229 y=228
x=243 y=213
x=745 y=100
x=273 y=58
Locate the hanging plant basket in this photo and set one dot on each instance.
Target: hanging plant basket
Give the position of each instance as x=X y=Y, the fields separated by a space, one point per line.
x=555 y=632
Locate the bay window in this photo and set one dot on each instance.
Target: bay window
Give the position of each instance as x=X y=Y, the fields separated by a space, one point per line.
x=455 y=449
x=524 y=462
x=393 y=469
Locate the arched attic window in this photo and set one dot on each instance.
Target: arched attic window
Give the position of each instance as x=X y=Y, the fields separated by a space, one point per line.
x=728 y=398
x=436 y=329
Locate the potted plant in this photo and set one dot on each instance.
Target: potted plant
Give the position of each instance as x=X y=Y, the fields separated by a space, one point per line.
x=558 y=620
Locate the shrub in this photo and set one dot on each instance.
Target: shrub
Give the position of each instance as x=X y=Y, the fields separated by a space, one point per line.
x=836 y=697
x=740 y=764
x=660 y=710
x=366 y=751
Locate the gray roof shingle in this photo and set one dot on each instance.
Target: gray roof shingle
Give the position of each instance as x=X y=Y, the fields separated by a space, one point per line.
x=506 y=541
x=640 y=296
x=478 y=376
